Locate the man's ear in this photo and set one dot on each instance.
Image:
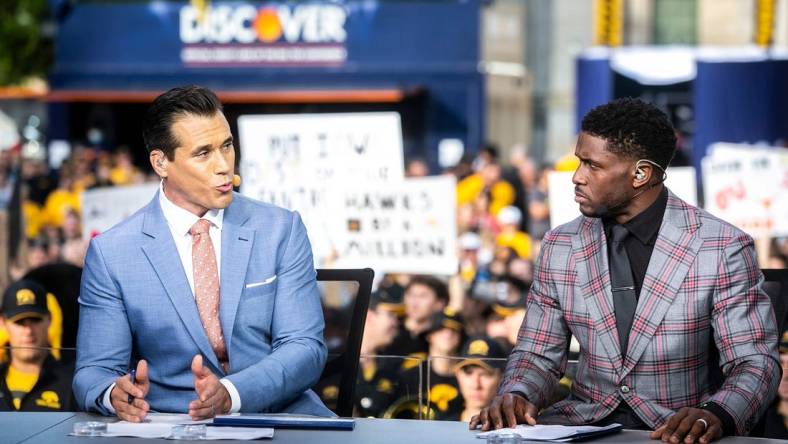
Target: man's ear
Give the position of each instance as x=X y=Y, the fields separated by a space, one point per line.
x=159 y=163
x=642 y=174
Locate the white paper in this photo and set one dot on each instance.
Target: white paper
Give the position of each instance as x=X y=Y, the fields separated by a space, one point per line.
x=542 y=432
x=159 y=425
x=139 y=430
x=173 y=418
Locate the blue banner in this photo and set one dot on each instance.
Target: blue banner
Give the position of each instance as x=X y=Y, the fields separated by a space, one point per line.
x=594 y=86
x=247 y=41
x=740 y=102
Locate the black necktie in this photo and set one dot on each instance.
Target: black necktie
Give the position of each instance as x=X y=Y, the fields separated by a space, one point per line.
x=624 y=295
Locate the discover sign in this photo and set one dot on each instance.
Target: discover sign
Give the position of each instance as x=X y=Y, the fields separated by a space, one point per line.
x=274 y=35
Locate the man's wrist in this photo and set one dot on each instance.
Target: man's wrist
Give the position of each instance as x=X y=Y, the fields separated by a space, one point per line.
x=728 y=426
x=106 y=399
x=522 y=395
x=228 y=402
x=235 y=397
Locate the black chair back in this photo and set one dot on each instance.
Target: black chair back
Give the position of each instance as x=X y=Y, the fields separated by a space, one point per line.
x=775 y=284
x=343 y=360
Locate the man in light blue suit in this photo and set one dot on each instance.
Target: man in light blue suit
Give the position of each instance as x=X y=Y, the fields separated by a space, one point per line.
x=152 y=290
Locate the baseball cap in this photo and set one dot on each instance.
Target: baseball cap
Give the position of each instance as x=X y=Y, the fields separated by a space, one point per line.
x=484 y=352
x=470 y=241
x=448 y=318
x=388 y=301
x=24 y=299
x=509 y=215
x=509 y=304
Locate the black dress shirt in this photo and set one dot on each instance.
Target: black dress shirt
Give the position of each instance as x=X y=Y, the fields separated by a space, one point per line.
x=643 y=229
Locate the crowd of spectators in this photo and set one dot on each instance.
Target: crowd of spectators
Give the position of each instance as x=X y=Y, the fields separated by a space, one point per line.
x=433 y=347
x=50 y=200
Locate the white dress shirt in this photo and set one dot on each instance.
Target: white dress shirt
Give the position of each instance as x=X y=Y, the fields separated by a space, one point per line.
x=180 y=222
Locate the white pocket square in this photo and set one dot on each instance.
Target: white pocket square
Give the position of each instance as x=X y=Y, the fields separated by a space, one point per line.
x=265 y=282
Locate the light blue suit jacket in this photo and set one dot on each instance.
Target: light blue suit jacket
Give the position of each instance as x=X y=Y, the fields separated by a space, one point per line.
x=136 y=303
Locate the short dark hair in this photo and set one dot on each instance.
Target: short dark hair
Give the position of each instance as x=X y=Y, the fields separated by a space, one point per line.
x=633 y=128
x=173 y=104
x=491 y=148
x=436 y=285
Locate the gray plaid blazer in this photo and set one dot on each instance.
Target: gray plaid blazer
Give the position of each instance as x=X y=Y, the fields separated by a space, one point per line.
x=702 y=284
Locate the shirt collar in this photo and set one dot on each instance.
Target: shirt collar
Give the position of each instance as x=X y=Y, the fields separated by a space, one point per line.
x=645 y=225
x=181 y=220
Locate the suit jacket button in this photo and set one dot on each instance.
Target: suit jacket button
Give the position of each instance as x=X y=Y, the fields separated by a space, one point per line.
x=624 y=389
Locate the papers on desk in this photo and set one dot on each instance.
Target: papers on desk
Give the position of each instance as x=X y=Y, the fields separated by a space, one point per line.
x=159 y=425
x=164 y=430
x=172 y=418
x=554 y=433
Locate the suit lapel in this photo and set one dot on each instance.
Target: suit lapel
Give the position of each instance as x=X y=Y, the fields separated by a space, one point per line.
x=674 y=252
x=590 y=251
x=237 y=243
x=160 y=250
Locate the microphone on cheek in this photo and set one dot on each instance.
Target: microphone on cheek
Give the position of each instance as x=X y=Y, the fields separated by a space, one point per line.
x=236 y=180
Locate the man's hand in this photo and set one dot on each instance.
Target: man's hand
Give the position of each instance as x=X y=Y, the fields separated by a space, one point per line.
x=505 y=411
x=126 y=390
x=213 y=398
x=687 y=426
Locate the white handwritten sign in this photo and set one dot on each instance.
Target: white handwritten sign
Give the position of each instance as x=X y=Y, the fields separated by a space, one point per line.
x=406 y=227
x=102 y=208
x=296 y=161
x=748 y=186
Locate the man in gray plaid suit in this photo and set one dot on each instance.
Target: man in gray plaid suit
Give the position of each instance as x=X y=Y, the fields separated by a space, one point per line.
x=651 y=287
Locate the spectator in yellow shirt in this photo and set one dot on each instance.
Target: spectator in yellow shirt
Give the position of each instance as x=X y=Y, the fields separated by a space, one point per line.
x=510 y=235
x=33 y=379
x=486 y=180
x=124 y=172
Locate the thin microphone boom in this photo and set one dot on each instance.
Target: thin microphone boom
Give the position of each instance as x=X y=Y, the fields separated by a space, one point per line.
x=627 y=201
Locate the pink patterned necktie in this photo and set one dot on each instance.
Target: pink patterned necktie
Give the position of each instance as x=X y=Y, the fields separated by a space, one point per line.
x=206 y=288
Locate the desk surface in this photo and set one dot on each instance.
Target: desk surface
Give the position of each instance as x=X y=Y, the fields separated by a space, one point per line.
x=18 y=426
x=46 y=428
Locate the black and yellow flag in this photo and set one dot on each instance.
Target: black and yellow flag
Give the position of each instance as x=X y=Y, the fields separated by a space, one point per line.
x=764 y=22
x=609 y=22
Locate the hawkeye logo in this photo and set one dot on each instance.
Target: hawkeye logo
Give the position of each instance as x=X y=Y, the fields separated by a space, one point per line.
x=270 y=24
x=48 y=399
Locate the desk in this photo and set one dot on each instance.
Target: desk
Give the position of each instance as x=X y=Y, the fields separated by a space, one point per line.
x=47 y=428
x=19 y=426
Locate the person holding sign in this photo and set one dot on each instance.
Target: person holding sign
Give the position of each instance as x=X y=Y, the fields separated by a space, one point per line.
x=652 y=288
x=203 y=302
